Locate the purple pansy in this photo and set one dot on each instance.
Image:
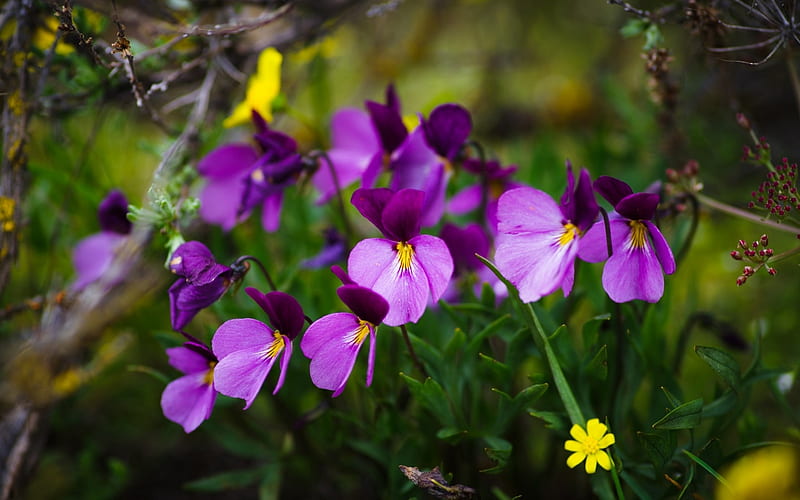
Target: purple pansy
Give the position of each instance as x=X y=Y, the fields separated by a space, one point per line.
x=494 y=181
x=202 y=281
x=463 y=244
x=334 y=250
x=189 y=400
x=93 y=255
x=333 y=341
x=247 y=348
x=641 y=255
x=363 y=144
x=424 y=161
x=241 y=177
x=538 y=239
x=405 y=267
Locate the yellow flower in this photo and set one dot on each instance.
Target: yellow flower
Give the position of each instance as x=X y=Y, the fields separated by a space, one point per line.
x=589 y=445
x=767 y=473
x=262 y=89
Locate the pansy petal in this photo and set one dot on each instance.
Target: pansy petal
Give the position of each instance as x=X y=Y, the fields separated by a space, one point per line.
x=364 y=302
x=92 y=256
x=413 y=162
x=638 y=206
x=242 y=373
x=388 y=123
x=435 y=189
x=400 y=217
x=286 y=356
x=663 y=251
x=352 y=129
x=271 y=212
x=435 y=261
x=187 y=360
x=613 y=190
x=231 y=161
x=370 y=203
x=371 y=356
x=220 y=201
x=593 y=245
x=603 y=459
x=284 y=312
x=465 y=200
x=188 y=401
x=575 y=459
x=633 y=273
x=527 y=209
x=348 y=165
x=240 y=334
x=464 y=244
x=447 y=128
x=329 y=329
x=113 y=213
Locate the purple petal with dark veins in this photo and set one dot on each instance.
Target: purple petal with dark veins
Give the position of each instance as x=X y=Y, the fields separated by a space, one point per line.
x=242 y=373
x=241 y=334
x=632 y=273
x=663 y=251
x=188 y=401
x=332 y=357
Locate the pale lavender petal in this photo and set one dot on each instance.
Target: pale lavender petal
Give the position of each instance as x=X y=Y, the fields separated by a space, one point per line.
x=374 y=263
x=229 y=161
x=593 y=246
x=413 y=162
x=352 y=129
x=633 y=273
x=465 y=200
x=435 y=261
x=527 y=209
x=240 y=334
x=93 y=255
x=220 y=200
x=663 y=251
x=349 y=165
x=535 y=262
x=435 y=189
x=371 y=356
x=332 y=356
x=325 y=330
x=187 y=360
x=188 y=401
x=242 y=373
x=287 y=355
x=271 y=212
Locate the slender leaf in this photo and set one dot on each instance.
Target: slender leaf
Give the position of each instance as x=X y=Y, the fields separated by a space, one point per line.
x=685 y=416
x=722 y=363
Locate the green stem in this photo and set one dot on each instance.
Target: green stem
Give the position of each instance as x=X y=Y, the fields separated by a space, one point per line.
x=738 y=212
x=615 y=478
x=413 y=353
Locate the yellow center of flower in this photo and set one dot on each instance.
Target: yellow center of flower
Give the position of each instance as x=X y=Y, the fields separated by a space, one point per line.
x=276 y=346
x=208 y=379
x=590 y=446
x=357 y=336
x=405 y=253
x=638 y=234
x=569 y=234
x=257 y=175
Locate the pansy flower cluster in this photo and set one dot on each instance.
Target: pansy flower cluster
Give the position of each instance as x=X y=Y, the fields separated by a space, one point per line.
x=405 y=184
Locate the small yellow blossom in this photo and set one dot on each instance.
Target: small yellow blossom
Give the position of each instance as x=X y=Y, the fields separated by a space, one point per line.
x=588 y=445
x=767 y=473
x=262 y=89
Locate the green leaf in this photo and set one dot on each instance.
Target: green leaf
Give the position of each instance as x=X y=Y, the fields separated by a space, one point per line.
x=721 y=405
x=707 y=467
x=475 y=342
x=659 y=448
x=512 y=406
x=685 y=416
x=653 y=37
x=457 y=340
x=499 y=370
x=231 y=480
x=499 y=451
x=552 y=419
x=673 y=401
x=598 y=366
x=722 y=363
x=431 y=396
x=633 y=27
x=451 y=434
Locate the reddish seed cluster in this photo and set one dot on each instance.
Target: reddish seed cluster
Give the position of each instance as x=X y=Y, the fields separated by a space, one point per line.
x=756 y=253
x=778 y=194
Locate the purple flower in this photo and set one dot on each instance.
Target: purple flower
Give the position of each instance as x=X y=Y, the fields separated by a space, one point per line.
x=247 y=348
x=363 y=144
x=189 y=400
x=202 y=281
x=93 y=255
x=241 y=177
x=538 y=239
x=334 y=250
x=641 y=255
x=333 y=341
x=495 y=180
x=424 y=161
x=463 y=245
x=405 y=267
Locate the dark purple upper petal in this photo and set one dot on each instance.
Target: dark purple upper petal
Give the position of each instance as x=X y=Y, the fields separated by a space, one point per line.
x=275 y=144
x=401 y=217
x=186 y=300
x=283 y=310
x=491 y=168
x=464 y=244
x=195 y=262
x=447 y=128
x=579 y=207
x=638 y=206
x=388 y=121
x=342 y=275
x=370 y=202
x=113 y=213
x=365 y=303
x=613 y=190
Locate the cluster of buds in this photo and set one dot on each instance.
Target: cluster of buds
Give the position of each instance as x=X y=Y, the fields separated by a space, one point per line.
x=663 y=90
x=703 y=20
x=757 y=253
x=778 y=194
x=760 y=152
x=681 y=183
